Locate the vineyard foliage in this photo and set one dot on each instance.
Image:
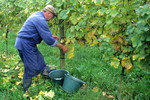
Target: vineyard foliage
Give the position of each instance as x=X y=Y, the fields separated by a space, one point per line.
x=120 y=28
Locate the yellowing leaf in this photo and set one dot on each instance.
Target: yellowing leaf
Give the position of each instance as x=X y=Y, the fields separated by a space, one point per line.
x=46 y=94
x=33 y=84
x=99 y=13
x=26 y=11
x=5 y=80
x=70 y=55
x=116 y=46
x=40 y=98
x=141 y=58
x=26 y=94
x=20 y=75
x=138 y=57
x=111 y=97
x=5 y=70
x=17 y=83
x=41 y=93
x=17 y=68
x=80 y=42
x=115 y=62
x=38 y=76
x=73 y=18
x=84 y=86
x=49 y=94
x=62 y=41
x=12 y=76
x=135 y=57
x=4 y=35
x=107 y=95
x=95 y=89
x=33 y=99
x=95 y=42
x=97 y=2
x=67 y=41
x=126 y=63
x=78 y=19
x=13 y=88
x=104 y=93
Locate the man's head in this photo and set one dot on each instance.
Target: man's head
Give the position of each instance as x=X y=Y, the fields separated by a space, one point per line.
x=49 y=12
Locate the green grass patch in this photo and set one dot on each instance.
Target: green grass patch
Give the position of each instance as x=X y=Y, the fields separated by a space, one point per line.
x=103 y=82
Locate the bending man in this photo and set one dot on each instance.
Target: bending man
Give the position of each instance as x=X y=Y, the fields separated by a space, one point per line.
x=34 y=30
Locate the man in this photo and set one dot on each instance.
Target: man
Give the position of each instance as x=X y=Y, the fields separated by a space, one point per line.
x=34 y=30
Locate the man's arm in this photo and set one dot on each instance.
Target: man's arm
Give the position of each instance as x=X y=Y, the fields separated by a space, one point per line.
x=63 y=47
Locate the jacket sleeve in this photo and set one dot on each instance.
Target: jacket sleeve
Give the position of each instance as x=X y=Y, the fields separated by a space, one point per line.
x=45 y=33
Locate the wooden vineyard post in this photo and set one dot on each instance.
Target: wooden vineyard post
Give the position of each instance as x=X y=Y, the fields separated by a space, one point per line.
x=62 y=36
x=6 y=39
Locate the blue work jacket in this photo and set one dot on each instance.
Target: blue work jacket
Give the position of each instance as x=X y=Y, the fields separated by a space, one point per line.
x=34 y=30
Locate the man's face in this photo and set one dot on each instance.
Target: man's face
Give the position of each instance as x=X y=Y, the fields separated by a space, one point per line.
x=49 y=15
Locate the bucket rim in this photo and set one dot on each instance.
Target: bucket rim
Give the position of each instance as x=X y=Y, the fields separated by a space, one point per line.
x=58 y=70
x=53 y=71
x=74 y=78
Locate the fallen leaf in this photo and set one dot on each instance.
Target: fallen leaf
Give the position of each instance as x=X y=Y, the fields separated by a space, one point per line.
x=110 y=96
x=38 y=76
x=5 y=80
x=41 y=93
x=36 y=98
x=17 y=83
x=84 y=86
x=5 y=70
x=104 y=93
x=17 y=68
x=39 y=98
x=33 y=84
x=13 y=88
x=49 y=94
x=12 y=76
x=20 y=75
x=26 y=94
x=95 y=89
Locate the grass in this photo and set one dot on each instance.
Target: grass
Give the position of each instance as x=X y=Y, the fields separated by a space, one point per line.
x=102 y=81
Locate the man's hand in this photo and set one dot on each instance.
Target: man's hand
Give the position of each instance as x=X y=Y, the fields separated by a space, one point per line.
x=62 y=47
x=65 y=49
x=56 y=37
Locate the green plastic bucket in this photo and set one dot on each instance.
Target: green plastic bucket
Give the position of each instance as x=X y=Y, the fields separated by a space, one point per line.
x=72 y=84
x=58 y=76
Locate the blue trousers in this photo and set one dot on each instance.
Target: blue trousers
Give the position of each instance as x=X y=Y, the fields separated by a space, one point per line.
x=33 y=61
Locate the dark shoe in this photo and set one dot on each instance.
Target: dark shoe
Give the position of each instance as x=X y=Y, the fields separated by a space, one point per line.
x=26 y=84
x=46 y=71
